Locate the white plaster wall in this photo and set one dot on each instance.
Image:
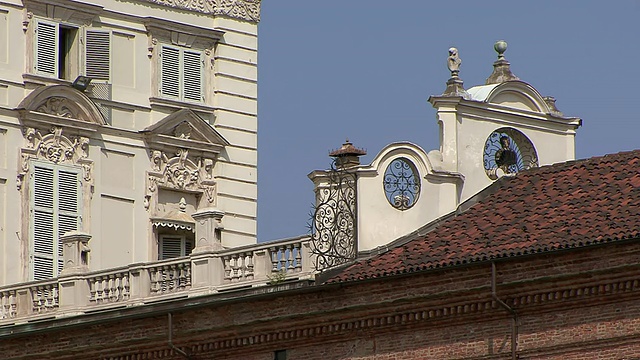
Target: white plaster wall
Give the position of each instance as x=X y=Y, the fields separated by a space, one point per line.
x=553 y=144
x=12 y=240
x=378 y=221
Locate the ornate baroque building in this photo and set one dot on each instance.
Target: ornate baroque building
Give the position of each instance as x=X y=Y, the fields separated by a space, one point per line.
x=128 y=201
x=164 y=132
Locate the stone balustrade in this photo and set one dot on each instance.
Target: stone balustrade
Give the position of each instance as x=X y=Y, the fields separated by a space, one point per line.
x=208 y=272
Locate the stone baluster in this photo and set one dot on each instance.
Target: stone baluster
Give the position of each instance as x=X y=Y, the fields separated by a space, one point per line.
x=298 y=249
x=235 y=267
x=227 y=268
x=249 y=265
x=282 y=257
x=290 y=258
x=274 y=259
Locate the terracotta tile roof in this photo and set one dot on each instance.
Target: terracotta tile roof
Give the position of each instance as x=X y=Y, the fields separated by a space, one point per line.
x=566 y=205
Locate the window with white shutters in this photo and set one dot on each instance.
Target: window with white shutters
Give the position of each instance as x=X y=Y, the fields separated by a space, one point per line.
x=181 y=74
x=172 y=246
x=55 y=210
x=46 y=48
x=192 y=75
x=98 y=55
x=57 y=51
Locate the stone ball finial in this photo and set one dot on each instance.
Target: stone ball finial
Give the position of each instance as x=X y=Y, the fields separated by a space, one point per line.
x=500 y=47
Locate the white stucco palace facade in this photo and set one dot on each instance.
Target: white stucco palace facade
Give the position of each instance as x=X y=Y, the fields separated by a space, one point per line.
x=165 y=131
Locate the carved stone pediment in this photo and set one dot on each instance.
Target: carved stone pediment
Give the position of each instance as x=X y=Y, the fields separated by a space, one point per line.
x=184 y=129
x=60 y=106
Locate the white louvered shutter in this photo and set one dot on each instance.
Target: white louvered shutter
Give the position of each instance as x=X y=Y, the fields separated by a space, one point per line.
x=43 y=222
x=192 y=75
x=46 y=48
x=55 y=208
x=170 y=72
x=68 y=214
x=98 y=55
x=171 y=247
x=188 y=246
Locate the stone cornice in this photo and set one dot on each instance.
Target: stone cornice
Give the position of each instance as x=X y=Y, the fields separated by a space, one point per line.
x=248 y=10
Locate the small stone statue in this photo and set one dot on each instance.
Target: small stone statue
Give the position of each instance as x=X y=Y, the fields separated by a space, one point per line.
x=453 y=62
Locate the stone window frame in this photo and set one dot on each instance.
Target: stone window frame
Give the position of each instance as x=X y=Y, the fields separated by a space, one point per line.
x=57 y=125
x=184 y=37
x=70 y=14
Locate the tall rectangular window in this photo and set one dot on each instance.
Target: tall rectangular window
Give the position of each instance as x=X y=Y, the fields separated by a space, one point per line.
x=55 y=198
x=181 y=73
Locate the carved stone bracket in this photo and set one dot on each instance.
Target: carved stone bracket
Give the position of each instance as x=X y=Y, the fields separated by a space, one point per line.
x=26 y=20
x=56 y=148
x=180 y=173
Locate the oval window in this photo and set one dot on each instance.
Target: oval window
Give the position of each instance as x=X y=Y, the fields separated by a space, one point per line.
x=401 y=184
x=508 y=151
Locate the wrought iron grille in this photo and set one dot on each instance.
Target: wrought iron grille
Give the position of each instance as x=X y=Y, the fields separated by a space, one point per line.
x=333 y=223
x=401 y=184
x=509 y=150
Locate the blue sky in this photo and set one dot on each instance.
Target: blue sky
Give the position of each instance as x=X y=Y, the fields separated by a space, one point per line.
x=363 y=69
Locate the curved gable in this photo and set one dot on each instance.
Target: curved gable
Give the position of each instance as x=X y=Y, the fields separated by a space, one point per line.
x=519 y=95
x=407 y=150
x=61 y=101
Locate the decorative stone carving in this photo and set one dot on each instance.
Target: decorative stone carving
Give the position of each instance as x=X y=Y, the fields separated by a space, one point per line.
x=455 y=85
x=182 y=131
x=239 y=9
x=152 y=45
x=30 y=136
x=208 y=168
x=26 y=20
x=57 y=106
x=56 y=148
x=180 y=173
x=453 y=62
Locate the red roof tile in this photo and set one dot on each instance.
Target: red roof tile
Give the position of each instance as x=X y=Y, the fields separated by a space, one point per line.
x=566 y=205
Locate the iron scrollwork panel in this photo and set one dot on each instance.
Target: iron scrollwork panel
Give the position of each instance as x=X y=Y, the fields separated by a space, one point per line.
x=333 y=223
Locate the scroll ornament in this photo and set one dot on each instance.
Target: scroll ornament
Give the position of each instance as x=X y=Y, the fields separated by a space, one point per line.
x=181 y=173
x=56 y=148
x=248 y=10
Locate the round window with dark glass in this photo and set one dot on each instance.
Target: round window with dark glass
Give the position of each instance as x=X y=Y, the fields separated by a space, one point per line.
x=508 y=151
x=401 y=184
